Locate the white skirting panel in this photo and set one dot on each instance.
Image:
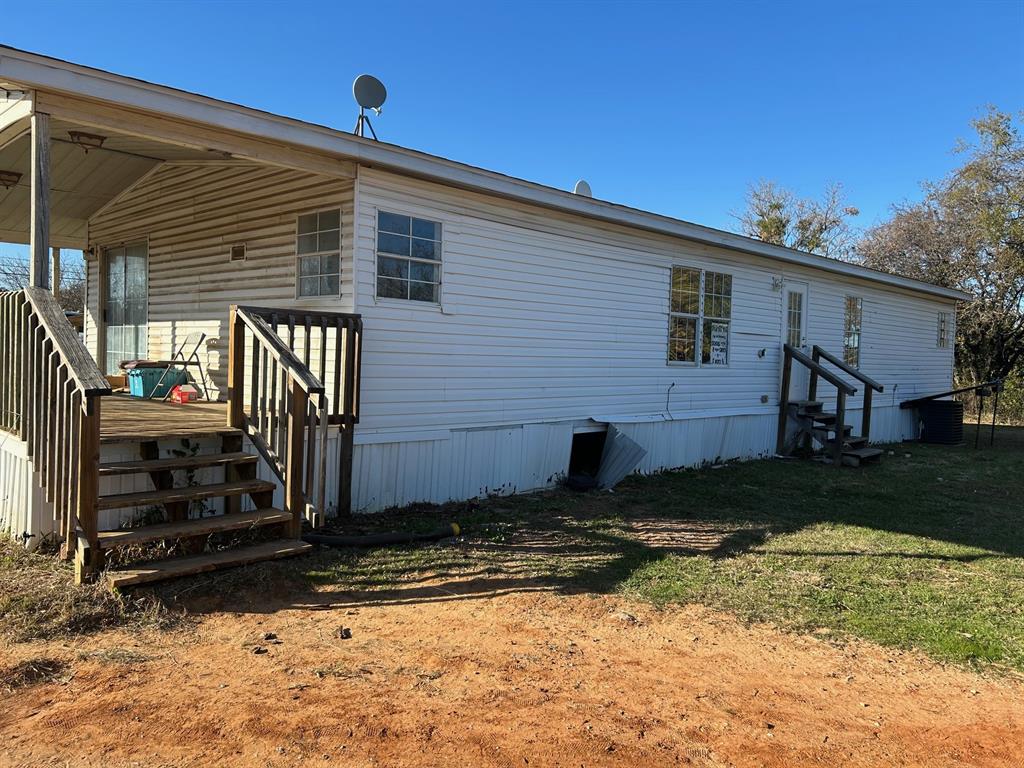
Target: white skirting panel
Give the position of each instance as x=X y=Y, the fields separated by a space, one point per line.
x=24 y=509
x=443 y=466
x=889 y=423
x=693 y=442
x=467 y=464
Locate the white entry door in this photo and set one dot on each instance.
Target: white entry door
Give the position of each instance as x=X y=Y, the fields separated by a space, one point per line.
x=794 y=333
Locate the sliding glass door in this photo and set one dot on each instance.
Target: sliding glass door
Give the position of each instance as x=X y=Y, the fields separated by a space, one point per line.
x=127 y=305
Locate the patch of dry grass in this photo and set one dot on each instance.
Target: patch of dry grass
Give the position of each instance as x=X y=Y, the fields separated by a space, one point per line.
x=40 y=600
x=32 y=672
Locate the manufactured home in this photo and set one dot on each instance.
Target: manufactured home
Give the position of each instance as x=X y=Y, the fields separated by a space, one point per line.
x=379 y=326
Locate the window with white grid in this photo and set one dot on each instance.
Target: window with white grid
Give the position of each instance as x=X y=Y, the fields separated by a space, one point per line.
x=319 y=254
x=700 y=316
x=852 y=318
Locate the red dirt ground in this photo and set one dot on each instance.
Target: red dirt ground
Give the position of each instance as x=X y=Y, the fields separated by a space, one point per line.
x=515 y=679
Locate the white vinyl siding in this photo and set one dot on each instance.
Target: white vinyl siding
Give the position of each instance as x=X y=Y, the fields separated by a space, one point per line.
x=192 y=214
x=549 y=317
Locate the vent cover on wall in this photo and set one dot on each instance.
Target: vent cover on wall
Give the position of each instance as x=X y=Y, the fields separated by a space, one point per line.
x=238 y=252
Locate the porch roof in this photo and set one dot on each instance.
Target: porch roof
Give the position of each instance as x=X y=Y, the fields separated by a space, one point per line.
x=207 y=127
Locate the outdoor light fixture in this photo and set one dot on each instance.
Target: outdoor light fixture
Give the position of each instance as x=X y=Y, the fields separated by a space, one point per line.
x=9 y=179
x=86 y=141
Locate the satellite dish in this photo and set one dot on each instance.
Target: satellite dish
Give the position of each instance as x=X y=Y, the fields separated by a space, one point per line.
x=369 y=92
x=582 y=188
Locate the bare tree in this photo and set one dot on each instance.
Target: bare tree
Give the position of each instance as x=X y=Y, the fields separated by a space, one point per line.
x=14 y=276
x=775 y=215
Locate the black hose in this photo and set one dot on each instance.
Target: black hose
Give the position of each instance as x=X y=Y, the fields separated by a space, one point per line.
x=381 y=539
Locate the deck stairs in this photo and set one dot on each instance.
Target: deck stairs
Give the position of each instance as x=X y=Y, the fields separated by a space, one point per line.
x=173 y=494
x=815 y=424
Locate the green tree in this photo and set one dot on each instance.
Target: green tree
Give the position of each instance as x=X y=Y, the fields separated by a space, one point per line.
x=968 y=233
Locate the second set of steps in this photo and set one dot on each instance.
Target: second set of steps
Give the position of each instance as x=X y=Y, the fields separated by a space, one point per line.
x=240 y=482
x=822 y=426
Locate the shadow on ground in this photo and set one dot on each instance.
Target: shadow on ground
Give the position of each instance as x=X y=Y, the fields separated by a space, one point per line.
x=957 y=504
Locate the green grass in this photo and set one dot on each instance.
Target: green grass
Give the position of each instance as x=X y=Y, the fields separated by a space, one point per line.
x=923 y=551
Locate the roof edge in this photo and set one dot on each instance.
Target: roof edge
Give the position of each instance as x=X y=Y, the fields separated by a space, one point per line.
x=47 y=73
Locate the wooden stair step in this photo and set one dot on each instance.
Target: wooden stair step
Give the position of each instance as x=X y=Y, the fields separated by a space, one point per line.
x=807 y=405
x=159 y=570
x=191 y=493
x=863 y=453
x=200 y=527
x=821 y=416
x=185 y=462
x=850 y=441
x=167 y=434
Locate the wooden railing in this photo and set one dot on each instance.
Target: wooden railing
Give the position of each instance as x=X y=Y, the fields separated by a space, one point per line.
x=278 y=361
x=817 y=354
x=791 y=354
x=51 y=390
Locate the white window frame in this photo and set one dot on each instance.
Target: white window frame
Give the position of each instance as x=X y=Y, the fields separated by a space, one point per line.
x=846 y=328
x=700 y=318
x=942 y=331
x=299 y=296
x=438 y=263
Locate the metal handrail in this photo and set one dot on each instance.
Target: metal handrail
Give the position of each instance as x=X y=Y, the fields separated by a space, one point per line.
x=994 y=384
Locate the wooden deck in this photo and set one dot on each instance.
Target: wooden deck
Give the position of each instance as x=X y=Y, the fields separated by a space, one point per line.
x=130 y=419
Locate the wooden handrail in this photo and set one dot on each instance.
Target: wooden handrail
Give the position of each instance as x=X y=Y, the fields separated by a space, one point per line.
x=818 y=368
x=280 y=399
x=82 y=369
x=51 y=390
x=842 y=390
x=338 y=337
x=842 y=365
x=284 y=356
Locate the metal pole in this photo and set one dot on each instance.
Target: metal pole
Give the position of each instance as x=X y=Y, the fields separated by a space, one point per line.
x=995 y=408
x=981 y=402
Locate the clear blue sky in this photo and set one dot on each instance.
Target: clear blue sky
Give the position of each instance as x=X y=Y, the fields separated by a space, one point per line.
x=671 y=107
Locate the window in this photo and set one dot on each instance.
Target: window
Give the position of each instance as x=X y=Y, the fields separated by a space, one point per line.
x=795 y=319
x=700 y=312
x=942 y=340
x=408 y=258
x=319 y=253
x=851 y=330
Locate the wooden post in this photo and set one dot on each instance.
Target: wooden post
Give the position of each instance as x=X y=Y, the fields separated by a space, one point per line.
x=39 y=237
x=865 y=422
x=236 y=368
x=837 y=448
x=88 y=487
x=55 y=272
x=346 y=434
x=812 y=387
x=294 y=498
x=787 y=365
